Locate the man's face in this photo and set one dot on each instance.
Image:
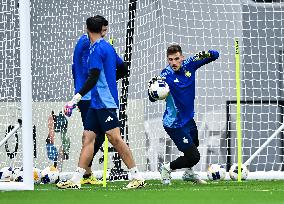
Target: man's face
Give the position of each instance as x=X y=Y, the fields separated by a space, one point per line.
x=104 y=31
x=175 y=61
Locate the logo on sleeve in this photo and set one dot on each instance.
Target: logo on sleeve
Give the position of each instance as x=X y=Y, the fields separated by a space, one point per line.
x=176 y=80
x=187 y=73
x=109 y=119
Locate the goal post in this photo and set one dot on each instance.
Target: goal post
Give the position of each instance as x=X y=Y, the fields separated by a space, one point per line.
x=26 y=93
x=26 y=102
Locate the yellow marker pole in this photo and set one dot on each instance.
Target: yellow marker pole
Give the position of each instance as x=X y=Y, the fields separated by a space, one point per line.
x=105 y=161
x=111 y=41
x=238 y=92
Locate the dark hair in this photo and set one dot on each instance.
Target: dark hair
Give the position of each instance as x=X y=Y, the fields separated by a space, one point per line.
x=105 y=22
x=172 y=49
x=95 y=23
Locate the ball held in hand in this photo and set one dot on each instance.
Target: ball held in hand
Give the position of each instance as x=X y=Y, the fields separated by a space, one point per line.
x=158 y=89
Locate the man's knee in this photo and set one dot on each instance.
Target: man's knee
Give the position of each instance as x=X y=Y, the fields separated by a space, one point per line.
x=114 y=139
x=88 y=137
x=114 y=136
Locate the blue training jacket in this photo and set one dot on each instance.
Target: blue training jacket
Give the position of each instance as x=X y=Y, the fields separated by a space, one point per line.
x=104 y=58
x=80 y=64
x=180 y=102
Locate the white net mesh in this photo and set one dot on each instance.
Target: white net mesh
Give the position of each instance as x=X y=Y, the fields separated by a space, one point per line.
x=195 y=25
x=9 y=82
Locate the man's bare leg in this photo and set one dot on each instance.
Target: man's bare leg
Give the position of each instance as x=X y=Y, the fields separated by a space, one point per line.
x=121 y=147
x=86 y=155
x=125 y=153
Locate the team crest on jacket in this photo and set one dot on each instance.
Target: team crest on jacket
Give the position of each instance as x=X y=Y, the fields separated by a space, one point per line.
x=187 y=73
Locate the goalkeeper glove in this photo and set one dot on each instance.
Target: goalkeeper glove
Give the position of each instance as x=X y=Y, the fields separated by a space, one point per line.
x=202 y=55
x=68 y=108
x=214 y=54
x=154 y=79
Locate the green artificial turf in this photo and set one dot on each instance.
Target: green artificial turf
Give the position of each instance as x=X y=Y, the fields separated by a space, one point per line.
x=224 y=192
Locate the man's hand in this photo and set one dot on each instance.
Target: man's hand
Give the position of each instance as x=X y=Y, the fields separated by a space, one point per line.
x=154 y=79
x=214 y=54
x=206 y=54
x=202 y=55
x=68 y=108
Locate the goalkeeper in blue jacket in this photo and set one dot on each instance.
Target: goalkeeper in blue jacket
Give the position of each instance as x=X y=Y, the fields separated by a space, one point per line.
x=178 y=119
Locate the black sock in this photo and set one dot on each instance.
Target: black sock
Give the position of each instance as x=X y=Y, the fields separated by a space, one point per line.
x=86 y=176
x=191 y=157
x=179 y=163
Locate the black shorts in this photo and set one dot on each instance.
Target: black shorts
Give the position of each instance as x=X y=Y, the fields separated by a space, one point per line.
x=83 y=106
x=101 y=120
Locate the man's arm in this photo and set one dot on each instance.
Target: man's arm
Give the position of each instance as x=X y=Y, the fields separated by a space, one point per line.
x=121 y=71
x=88 y=85
x=74 y=74
x=96 y=64
x=121 y=68
x=81 y=44
x=95 y=67
x=90 y=82
x=201 y=59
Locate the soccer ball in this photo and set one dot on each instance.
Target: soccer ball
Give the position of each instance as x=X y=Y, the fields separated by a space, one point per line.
x=50 y=175
x=159 y=90
x=18 y=174
x=234 y=172
x=6 y=174
x=216 y=172
x=37 y=175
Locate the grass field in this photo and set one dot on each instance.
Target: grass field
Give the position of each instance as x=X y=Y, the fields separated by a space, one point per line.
x=224 y=192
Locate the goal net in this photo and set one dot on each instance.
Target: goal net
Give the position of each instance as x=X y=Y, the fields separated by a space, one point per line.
x=142 y=30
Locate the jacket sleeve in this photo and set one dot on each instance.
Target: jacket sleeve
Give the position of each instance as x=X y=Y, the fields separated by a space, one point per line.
x=201 y=59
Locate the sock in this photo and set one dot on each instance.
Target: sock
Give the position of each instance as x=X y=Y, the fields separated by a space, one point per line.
x=135 y=174
x=191 y=157
x=180 y=163
x=168 y=166
x=78 y=175
x=189 y=171
x=87 y=175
